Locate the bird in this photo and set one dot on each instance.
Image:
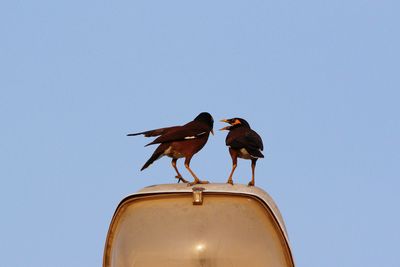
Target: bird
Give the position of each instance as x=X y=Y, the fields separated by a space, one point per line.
x=181 y=142
x=244 y=143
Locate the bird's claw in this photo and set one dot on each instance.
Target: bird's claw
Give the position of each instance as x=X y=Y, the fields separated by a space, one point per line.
x=198 y=182
x=180 y=178
x=251 y=183
x=230 y=181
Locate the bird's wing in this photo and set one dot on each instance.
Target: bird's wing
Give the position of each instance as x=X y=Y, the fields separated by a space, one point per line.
x=191 y=130
x=155 y=132
x=257 y=141
x=245 y=139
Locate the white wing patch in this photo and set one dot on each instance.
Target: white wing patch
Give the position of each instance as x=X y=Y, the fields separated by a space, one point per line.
x=194 y=136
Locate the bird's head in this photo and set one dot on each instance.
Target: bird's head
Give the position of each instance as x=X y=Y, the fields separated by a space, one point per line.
x=207 y=119
x=235 y=122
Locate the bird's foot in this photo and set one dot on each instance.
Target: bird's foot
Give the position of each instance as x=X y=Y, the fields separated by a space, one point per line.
x=251 y=183
x=230 y=181
x=198 y=182
x=180 y=178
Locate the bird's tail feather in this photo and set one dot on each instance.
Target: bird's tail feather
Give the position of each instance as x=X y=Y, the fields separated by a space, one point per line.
x=255 y=153
x=155 y=132
x=134 y=134
x=150 y=161
x=156 y=155
x=149 y=144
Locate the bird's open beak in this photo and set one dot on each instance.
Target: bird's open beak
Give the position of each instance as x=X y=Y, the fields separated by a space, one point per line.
x=225 y=128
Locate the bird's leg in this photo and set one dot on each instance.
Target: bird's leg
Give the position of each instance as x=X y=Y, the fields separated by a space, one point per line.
x=196 y=180
x=253 y=167
x=230 y=181
x=179 y=176
x=234 y=164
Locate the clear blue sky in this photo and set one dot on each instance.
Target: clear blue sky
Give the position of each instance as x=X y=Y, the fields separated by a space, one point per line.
x=318 y=80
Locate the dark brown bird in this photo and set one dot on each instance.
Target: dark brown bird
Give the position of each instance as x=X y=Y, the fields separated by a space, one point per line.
x=181 y=142
x=244 y=143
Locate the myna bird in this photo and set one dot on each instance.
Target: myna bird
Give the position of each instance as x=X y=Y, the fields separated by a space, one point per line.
x=244 y=143
x=181 y=142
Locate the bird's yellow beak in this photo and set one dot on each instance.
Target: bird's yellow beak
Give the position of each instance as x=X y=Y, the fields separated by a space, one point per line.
x=225 y=128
